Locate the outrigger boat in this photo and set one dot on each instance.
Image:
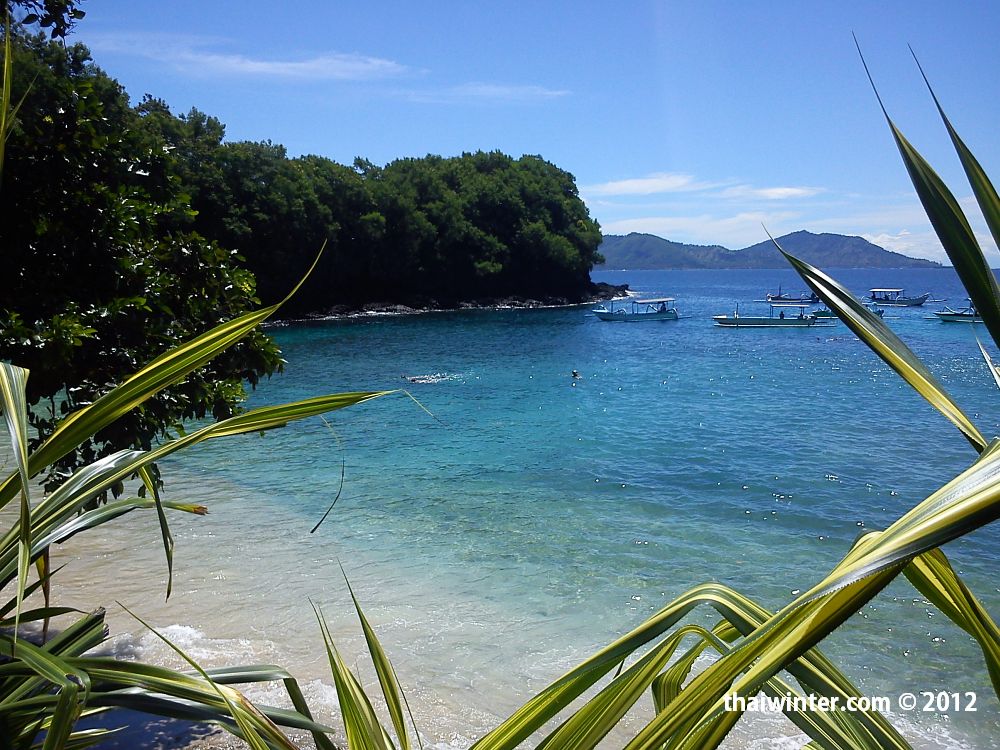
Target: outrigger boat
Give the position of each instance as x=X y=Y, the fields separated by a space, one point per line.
x=828 y=314
x=782 y=315
x=634 y=311
x=962 y=315
x=895 y=298
x=805 y=298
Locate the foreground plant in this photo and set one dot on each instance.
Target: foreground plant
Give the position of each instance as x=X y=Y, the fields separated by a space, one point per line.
x=47 y=686
x=776 y=652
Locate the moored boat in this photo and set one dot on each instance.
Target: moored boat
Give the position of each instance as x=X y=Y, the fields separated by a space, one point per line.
x=825 y=313
x=967 y=314
x=782 y=315
x=639 y=310
x=890 y=297
x=806 y=298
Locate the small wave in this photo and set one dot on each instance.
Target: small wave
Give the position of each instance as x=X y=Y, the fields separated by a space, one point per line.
x=437 y=377
x=147 y=646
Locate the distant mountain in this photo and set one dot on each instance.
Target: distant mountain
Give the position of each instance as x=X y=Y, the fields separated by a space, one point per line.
x=646 y=251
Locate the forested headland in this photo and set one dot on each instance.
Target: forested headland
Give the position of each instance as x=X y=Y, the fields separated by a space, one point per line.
x=85 y=168
x=127 y=228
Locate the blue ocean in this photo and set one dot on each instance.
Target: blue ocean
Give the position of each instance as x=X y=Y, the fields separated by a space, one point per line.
x=500 y=519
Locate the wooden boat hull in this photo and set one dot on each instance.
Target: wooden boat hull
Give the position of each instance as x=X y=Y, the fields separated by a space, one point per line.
x=902 y=301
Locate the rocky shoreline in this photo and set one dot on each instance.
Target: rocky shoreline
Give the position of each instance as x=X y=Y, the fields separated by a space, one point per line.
x=598 y=291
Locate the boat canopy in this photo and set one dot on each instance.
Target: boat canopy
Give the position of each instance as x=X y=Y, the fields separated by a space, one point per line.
x=656 y=301
x=873 y=291
x=796 y=305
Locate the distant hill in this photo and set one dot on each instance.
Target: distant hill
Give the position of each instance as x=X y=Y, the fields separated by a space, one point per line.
x=646 y=251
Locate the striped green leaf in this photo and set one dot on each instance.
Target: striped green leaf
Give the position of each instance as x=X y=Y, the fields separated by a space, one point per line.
x=949 y=221
x=64 y=503
x=169 y=368
x=932 y=575
x=982 y=187
x=589 y=725
x=61 y=721
x=13 y=383
x=164 y=371
x=168 y=540
x=121 y=465
x=6 y=115
x=255 y=728
x=871 y=329
x=967 y=502
x=955 y=233
x=812 y=669
x=364 y=730
x=43 y=662
x=393 y=693
x=994 y=370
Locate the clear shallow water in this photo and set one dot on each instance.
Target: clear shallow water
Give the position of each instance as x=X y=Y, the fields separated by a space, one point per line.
x=536 y=517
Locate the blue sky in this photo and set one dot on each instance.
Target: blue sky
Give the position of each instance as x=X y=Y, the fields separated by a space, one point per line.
x=694 y=120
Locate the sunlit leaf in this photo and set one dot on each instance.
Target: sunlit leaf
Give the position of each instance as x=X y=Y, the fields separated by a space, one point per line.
x=949 y=221
x=391 y=690
x=872 y=330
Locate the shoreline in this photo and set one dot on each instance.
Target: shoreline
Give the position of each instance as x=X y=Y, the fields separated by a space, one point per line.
x=600 y=291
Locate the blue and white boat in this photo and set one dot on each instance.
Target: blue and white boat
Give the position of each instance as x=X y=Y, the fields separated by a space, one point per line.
x=782 y=315
x=639 y=310
x=967 y=314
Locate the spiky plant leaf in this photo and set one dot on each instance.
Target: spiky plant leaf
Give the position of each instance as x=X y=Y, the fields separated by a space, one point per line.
x=965 y=503
x=994 y=370
x=982 y=187
x=255 y=728
x=589 y=725
x=168 y=541
x=363 y=728
x=813 y=669
x=169 y=368
x=950 y=223
x=933 y=576
x=873 y=331
x=391 y=690
x=6 y=115
x=13 y=382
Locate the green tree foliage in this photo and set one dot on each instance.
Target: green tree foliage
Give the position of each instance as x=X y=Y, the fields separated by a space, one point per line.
x=127 y=228
x=477 y=226
x=100 y=277
x=55 y=16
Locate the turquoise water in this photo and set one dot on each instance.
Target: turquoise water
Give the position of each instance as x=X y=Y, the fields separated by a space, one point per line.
x=536 y=516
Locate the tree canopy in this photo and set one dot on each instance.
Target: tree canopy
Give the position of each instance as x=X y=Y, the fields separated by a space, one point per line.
x=127 y=228
x=479 y=225
x=98 y=280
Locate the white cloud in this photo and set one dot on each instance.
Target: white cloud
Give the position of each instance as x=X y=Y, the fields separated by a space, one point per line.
x=479 y=92
x=681 y=208
x=770 y=194
x=205 y=56
x=331 y=66
x=735 y=231
x=660 y=182
x=196 y=55
x=679 y=182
